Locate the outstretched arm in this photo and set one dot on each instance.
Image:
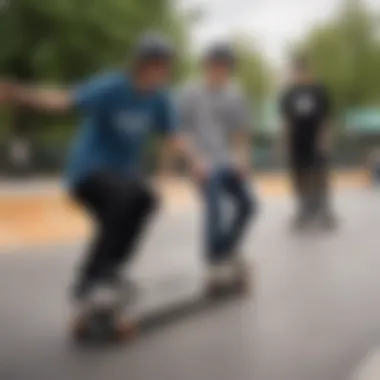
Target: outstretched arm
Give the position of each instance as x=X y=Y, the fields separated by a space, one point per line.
x=86 y=97
x=42 y=99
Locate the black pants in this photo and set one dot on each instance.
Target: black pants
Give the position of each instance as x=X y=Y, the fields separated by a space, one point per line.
x=310 y=176
x=121 y=208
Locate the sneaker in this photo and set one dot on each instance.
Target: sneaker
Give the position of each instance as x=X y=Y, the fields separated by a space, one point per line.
x=122 y=284
x=104 y=296
x=88 y=288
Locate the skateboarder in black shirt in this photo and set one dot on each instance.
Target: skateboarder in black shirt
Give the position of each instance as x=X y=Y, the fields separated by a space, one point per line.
x=305 y=108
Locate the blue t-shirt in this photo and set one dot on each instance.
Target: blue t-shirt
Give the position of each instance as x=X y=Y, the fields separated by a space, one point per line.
x=118 y=120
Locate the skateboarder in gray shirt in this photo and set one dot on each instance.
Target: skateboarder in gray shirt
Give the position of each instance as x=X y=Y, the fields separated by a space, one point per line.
x=216 y=119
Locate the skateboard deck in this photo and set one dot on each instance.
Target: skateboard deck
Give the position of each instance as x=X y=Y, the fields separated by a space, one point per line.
x=154 y=303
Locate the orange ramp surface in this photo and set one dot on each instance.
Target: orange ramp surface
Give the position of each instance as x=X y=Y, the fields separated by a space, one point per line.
x=48 y=217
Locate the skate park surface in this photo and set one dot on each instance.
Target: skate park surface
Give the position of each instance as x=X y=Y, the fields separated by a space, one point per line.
x=313 y=313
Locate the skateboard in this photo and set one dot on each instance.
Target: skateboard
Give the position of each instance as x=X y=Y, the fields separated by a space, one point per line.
x=157 y=303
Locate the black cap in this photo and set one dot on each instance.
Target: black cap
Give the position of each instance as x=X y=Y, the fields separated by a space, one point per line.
x=153 y=46
x=221 y=53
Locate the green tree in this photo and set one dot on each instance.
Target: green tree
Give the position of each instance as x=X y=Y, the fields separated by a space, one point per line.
x=64 y=40
x=345 y=53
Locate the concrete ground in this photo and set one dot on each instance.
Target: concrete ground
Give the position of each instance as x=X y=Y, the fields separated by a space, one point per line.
x=313 y=315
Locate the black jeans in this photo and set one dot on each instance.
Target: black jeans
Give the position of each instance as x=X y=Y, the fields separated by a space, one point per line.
x=310 y=177
x=121 y=208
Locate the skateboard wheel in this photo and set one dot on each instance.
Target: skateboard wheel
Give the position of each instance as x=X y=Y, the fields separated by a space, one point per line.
x=80 y=330
x=126 y=330
x=243 y=286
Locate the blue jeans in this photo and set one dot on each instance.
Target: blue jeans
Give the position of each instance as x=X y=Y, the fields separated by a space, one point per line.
x=222 y=237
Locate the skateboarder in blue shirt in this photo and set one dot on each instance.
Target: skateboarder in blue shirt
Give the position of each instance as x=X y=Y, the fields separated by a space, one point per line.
x=104 y=172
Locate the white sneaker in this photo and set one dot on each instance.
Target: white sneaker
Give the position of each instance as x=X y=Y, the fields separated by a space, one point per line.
x=104 y=296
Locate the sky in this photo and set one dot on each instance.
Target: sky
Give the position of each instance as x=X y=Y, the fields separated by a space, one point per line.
x=270 y=24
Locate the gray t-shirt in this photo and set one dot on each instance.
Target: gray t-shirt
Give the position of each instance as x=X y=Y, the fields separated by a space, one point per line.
x=209 y=117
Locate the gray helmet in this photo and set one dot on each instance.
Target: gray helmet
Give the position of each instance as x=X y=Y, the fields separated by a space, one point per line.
x=153 y=46
x=221 y=53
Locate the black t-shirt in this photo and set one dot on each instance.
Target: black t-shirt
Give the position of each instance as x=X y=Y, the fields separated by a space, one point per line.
x=305 y=107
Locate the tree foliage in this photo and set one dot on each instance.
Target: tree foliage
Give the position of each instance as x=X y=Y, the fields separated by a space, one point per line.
x=346 y=54
x=63 y=40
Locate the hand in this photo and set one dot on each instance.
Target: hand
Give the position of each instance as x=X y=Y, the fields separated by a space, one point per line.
x=241 y=163
x=244 y=170
x=4 y=92
x=324 y=143
x=324 y=138
x=7 y=92
x=200 y=171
